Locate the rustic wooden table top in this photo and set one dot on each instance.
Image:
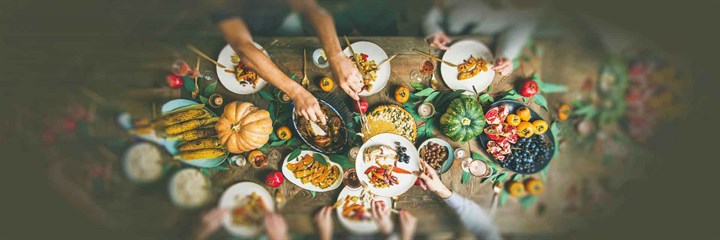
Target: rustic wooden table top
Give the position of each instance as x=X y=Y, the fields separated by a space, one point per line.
x=300 y=205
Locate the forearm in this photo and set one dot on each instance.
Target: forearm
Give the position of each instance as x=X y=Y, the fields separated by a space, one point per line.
x=239 y=38
x=432 y=21
x=511 y=42
x=473 y=217
x=324 y=26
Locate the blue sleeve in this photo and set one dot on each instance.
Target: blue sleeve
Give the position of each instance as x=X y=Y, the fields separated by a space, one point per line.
x=473 y=217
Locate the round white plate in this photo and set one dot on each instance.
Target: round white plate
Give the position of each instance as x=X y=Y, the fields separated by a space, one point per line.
x=405 y=180
x=362 y=227
x=172 y=144
x=228 y=79
x=449 y=161
x=461 y=51
x=376 y=53
x=240 y=190
x=308 y=186
x=174 y=189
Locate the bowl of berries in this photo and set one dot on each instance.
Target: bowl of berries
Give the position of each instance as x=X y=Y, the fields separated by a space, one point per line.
x=516 y=137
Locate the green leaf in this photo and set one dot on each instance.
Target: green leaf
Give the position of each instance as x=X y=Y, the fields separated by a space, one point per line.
x=503 y=177
x=273 y=113
x=205 y=171
x=203 y=99
x=547 y=87
x=189 y=83
x=210 y=89
x=540 y=101
x=278 y=143
x=465 y=177
x=416 y=85
x=555 y=130
x=511 y=95
x=294 y=154
x=543 y=173
x=425 y=92
x=220 y=168
x=292 y=142
x=486 y=98
x=273 y=137
x=517 y=176
x=489 y=89
x=503 y=198
x=265 y=95
x=343 y=161
x=527 y=202
x=293 y=76
x=319 y=158
x=431 y=96
x=312 y=193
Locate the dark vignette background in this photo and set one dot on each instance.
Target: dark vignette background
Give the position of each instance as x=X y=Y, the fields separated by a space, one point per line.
x=41 y=48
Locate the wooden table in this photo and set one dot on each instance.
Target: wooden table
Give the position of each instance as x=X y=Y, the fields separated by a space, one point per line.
x=435 y=218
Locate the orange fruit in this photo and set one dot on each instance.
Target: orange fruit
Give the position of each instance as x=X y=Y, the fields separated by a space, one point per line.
x=524 y=113
x=564 y=112
x=525 y=129
x=327 y=84
x=284 y=133
x=534 y=186
x=516 y=189
x=540 y=126
x=513 y=119
x=402 y=94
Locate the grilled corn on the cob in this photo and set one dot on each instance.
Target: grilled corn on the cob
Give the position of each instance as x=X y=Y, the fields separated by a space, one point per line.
x=188 y=125
x=210 y=142
x=183 y=116
x=202 y=154
x=195 y=134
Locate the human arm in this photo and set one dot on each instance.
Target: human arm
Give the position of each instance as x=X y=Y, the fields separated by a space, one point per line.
x=238 y=36
x=323 y=221
x=344 y=70
x=276 y=227
x=432 y=25
x=470 y=213
x=408 y=224
x=209 y=223
x=510 y=43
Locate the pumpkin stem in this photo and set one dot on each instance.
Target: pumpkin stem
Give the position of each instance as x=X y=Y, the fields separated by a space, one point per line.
x=235 y=127
x=465 y=121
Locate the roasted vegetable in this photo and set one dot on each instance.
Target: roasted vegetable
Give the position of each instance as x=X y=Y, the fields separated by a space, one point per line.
x=211 y=142
x=182 y=116
x=199 y=133
x=188 y=125
x=202 y=154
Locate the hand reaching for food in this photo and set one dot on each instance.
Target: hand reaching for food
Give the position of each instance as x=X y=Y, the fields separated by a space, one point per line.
x=210 y=222
x=408 y=224
x=276 y=227
x=308 y=106
x=438 y=40
x=323 y=219
x=429 y=180
x=381 y=215
x=347 y=74
x=503 y=66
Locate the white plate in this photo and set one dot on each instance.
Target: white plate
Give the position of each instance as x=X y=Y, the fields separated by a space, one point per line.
x=240 y=190
x=172 y=144
x=376 y=53
x=405 y=180
x=228 y=79
x=308 y=186
x=450 y=155
x=459 y=52
x=363 y=227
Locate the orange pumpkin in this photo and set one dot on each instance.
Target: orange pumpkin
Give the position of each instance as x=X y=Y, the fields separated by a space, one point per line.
x=244 y=127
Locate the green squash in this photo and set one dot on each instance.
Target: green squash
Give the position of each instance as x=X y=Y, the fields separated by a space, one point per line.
x=463 y=120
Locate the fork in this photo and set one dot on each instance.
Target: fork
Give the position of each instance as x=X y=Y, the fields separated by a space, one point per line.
x=305 y=82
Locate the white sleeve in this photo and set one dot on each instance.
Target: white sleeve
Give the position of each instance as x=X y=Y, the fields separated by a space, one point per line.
x=511 y=42
x=473 y=217
x=433 y=21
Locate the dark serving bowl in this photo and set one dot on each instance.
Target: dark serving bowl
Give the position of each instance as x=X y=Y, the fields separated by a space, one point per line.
x=512 y=105
x=340 y=110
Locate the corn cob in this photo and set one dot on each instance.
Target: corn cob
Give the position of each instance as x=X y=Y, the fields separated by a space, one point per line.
x=211 y=142
x=188 y=125
x=202 y=154
x=195 y=134
x=183 y=116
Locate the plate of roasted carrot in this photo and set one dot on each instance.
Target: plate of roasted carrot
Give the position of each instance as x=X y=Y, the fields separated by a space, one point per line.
x=312 y=171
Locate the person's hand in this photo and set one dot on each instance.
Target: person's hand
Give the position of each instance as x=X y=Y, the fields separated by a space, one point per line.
x=381 y=215
x=438 y=40
x=210 y=222
x=308 y=106
x=323 y=219
x=429 y=180
x=347 y=75
x=408 y=223
x=276 y=227
x=503 y=66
